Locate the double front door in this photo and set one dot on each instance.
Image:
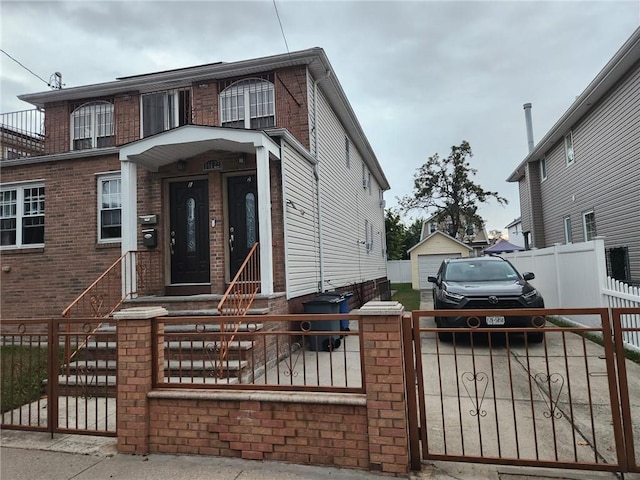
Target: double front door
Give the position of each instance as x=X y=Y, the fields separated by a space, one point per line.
x=190 y=226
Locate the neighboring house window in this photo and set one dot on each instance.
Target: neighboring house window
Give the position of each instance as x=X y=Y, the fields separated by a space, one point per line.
x=589 y=225
x=433 y=227
x=568 y=149
x=568 y=236
x=165 y=110
x=22 y=216
x=543 y=168
x=347 y=153
x=248 y=104
x=109 y=208
x=92 y=126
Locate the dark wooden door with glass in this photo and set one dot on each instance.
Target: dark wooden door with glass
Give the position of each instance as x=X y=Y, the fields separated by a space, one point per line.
x=242 y=193
x=189 y=232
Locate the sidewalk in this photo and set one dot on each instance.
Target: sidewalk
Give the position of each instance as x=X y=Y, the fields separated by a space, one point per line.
x=36 y=456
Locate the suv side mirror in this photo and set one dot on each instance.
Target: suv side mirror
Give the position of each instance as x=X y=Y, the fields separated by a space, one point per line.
x=432 y=280
x=528 y=276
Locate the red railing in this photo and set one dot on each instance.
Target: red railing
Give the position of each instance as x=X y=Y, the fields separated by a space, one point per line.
x=239 y=297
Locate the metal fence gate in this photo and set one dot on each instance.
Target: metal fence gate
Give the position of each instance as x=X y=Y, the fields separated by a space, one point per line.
x=59 y=375
x=564 y=399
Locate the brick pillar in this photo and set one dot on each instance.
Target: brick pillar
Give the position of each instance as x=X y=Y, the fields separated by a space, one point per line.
x=134 y=377
x=384 y=381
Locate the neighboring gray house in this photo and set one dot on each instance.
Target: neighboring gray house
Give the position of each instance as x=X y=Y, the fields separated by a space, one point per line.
x=583 y=178
x=514 y=232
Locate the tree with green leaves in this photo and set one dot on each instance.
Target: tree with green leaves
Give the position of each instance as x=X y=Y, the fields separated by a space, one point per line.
x=446 y=186
x=395 y=235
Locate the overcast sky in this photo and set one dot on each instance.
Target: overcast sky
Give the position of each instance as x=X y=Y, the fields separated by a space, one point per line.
x=420 y=75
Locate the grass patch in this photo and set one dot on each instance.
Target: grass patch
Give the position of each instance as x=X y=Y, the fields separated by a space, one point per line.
x=22 y=373
x=406 y=295
x=631 y=355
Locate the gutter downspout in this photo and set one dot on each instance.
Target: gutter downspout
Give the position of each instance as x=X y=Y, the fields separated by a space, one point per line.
x=316 y=174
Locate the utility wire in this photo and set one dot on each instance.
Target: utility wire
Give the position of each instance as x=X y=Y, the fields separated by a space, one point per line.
x=281 y=29
x=27 y=69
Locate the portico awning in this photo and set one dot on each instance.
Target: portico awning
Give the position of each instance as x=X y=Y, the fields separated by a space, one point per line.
x=189 y=140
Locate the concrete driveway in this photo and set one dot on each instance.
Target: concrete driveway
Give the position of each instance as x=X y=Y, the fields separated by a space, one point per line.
x=544 y=402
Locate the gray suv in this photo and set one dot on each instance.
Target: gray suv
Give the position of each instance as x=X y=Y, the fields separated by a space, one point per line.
x=488 y=282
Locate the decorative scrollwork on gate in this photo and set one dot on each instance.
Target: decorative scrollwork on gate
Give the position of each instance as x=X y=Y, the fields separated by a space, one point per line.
x=550 y=386
x=290 y=354
x=212 y=351
x=476 y=386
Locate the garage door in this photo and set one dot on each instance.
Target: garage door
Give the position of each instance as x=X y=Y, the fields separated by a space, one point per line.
x=429 y=265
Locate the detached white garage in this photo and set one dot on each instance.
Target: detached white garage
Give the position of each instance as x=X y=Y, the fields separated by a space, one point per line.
x=428 y=254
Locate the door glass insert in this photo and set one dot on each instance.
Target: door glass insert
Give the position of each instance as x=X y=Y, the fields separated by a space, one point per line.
x=191 y=225
x=250 y=204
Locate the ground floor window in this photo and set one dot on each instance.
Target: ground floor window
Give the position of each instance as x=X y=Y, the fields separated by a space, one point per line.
x=109 y=208
x=589 y=224
x=22 y=215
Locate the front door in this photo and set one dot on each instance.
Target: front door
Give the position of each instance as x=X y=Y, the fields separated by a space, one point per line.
x=242 y=193
x=189 y=232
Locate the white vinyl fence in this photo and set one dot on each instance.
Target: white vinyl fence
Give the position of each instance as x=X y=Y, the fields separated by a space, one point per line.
x=620 y=294
x=575 y=276
x=399 y=271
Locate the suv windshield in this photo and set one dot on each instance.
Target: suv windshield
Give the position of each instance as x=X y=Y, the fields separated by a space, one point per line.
x=479 y=271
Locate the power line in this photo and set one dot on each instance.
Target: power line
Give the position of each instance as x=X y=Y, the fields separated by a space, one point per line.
x=281 y=29
x=27 y=69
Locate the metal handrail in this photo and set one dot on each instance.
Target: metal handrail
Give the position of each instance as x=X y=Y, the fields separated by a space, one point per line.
x=238 y=298
x=105 y=295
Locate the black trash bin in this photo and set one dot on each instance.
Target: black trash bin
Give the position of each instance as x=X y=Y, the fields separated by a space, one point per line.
x=324 y=304
x=344 y=298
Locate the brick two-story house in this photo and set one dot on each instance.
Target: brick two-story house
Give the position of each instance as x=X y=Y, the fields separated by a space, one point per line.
x=192 y=167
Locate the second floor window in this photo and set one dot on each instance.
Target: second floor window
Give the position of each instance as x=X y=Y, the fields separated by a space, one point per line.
x=165 y=110
x=568 y=149
x=92 y=126
x=248 y=104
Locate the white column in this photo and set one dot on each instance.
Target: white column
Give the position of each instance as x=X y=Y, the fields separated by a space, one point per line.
x=264 y=220
x=129 y=242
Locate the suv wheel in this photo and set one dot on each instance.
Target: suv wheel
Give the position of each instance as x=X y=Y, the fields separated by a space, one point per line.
x=443 y=336
x=537 y=337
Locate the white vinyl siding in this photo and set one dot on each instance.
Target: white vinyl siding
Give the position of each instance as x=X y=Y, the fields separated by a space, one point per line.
x=606 y=174
x=301 y=224
x=346 y=205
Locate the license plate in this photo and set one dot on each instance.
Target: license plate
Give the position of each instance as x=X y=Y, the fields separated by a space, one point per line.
x=495 y=320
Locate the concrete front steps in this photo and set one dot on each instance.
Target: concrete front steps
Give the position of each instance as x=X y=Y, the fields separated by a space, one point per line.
x=189 y=358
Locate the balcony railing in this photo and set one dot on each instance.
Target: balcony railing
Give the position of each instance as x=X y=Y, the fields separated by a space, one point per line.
x=21 y=134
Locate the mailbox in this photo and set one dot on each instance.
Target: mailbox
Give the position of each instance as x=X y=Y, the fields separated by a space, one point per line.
x=150 y=238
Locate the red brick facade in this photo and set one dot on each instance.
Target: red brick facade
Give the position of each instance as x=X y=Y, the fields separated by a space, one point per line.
x=344 y=430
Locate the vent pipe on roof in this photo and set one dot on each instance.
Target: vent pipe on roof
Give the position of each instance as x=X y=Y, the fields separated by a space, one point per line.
x=527 y=117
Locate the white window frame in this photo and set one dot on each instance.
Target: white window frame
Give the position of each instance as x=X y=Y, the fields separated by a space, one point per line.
x=232 y=110
x=543 y=169
x=170 y=109
x=568 y=234
x=102 y=179
x=98 y=123
x=587 y=236
x=569 y=151
x=20 y=212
